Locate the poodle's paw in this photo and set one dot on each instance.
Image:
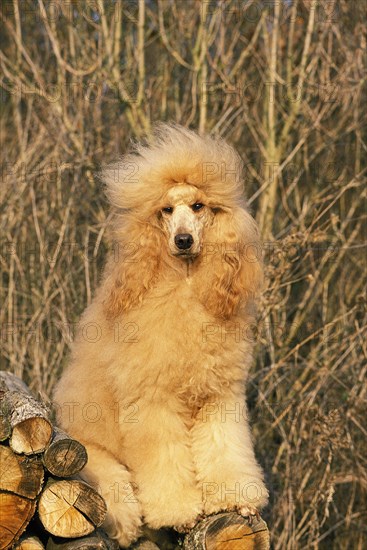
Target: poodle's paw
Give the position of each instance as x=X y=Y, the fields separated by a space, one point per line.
x=247 y=512
x=123 y=523
x=246 y=498
x=124 y=515
x=180 y=511
x=186 y=528
x=114 y=483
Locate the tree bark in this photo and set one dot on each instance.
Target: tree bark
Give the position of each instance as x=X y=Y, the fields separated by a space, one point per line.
x=96 y=541
x=5 y=428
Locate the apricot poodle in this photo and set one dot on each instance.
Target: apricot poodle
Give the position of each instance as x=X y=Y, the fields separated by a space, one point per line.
x=156 y=385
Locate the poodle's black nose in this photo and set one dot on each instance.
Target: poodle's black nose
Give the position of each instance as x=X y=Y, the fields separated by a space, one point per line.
x=183 y=241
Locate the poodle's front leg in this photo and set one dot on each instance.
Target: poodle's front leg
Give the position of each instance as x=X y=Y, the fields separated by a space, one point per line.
x=160 y=457
x=228 y=473
x=114 y=483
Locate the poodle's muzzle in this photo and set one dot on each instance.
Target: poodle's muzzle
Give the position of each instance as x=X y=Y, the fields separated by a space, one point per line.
x=184 y=229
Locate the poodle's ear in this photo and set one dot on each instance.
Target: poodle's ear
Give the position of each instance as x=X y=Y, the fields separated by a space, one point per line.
x=131 y=270
x=236 y=265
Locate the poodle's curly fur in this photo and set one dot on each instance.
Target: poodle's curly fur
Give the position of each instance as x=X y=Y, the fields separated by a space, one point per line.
x=155 y=388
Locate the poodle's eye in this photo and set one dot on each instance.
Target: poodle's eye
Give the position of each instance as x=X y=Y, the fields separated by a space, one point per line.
x=167 y=209
x=197 y=206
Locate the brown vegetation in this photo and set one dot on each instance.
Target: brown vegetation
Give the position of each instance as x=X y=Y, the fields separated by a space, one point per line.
x=283 y=81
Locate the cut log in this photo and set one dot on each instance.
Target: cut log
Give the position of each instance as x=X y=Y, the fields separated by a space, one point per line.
x=70 y=508
x=20 y=474
x=31 y=429
x=64 y=456
x=146 y=545
x=96 y=541
x=29 y=542
x=16 y=513
x=228 y=531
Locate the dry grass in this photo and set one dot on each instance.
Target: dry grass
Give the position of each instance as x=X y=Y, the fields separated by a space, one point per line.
x=284 y=84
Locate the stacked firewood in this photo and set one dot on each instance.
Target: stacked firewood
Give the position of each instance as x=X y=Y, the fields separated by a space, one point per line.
x=40 y=493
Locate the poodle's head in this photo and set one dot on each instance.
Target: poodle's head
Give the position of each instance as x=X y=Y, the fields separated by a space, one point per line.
x=184 y=217
x=179 y=194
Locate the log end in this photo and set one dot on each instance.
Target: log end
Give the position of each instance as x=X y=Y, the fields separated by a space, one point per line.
x=31 y=436
x=229 y=531
x=29 y=542
x=16 y=513
x=65 y=458
x=70 y=508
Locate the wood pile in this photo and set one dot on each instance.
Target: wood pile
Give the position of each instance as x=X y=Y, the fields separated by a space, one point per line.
x=42 y=502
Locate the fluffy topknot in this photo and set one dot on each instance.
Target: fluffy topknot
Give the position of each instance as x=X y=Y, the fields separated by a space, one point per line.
x=174 y=155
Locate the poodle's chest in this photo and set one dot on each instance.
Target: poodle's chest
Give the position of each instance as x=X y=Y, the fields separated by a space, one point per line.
x=178 y=327
x=177 y=346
